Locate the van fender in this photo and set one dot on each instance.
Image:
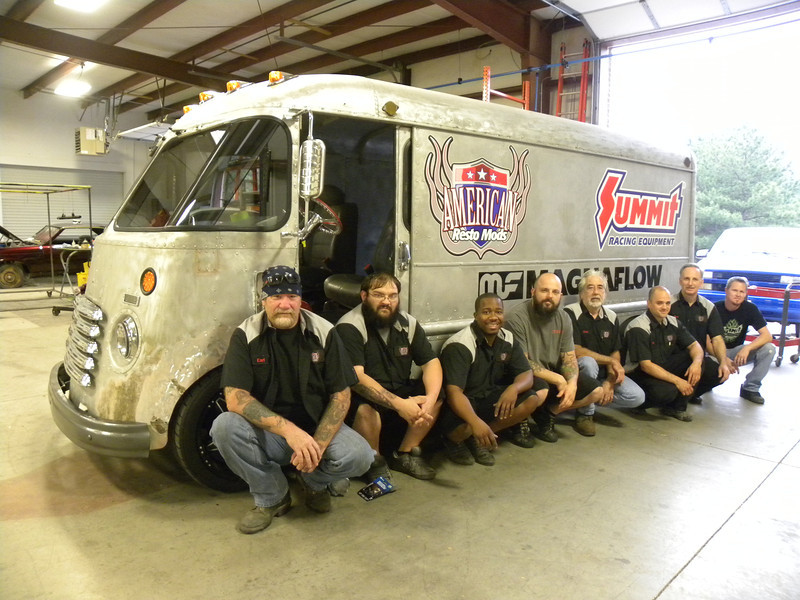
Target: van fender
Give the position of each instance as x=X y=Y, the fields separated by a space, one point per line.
x=178 y=368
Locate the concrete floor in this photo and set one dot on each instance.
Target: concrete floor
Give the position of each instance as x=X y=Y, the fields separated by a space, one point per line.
x=650 y=508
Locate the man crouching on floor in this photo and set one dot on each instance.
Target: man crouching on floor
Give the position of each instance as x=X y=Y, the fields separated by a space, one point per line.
x=287 y=379
x=488 y=383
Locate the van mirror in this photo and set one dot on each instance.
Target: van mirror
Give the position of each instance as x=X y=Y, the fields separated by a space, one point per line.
x=312 y=167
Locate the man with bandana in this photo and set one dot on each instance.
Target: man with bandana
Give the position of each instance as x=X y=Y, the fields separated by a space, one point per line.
x=287 y=379
x=390 y=409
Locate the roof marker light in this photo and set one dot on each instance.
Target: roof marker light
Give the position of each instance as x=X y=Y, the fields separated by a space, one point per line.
x=275 y=77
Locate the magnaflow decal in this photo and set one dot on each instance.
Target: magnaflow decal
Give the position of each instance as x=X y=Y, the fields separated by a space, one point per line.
x=623 y=216
x=478 y=205
x=515 y=285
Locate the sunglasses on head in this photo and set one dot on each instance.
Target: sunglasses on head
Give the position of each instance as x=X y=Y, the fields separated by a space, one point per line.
x=279 y=278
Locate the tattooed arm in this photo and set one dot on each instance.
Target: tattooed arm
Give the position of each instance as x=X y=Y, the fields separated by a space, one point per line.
x=307 y=452
x=373 y=391
x=569 y=366
x=332 y=418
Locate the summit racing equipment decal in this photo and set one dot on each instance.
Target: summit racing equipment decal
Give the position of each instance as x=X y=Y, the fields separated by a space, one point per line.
x=478 y=204
x=628 y=212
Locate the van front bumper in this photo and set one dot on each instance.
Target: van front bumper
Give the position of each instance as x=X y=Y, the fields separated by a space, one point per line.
x=111 y=438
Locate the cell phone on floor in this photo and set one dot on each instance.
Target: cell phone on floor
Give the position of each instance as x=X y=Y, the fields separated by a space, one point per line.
x=376 y=489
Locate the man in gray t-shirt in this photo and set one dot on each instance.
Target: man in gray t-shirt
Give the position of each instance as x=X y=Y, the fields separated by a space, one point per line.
x=545 y=333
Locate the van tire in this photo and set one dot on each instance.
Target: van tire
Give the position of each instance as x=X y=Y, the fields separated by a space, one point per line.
x=191 y=438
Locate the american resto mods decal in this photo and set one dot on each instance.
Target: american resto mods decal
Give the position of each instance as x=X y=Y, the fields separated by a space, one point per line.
x=478 y=205
x=623 y=215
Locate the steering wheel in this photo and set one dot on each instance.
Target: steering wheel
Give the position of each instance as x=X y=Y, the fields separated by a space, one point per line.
x=331 y=223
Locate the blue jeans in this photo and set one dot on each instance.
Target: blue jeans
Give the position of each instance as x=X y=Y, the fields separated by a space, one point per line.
x=761 y=359
x=257 y=456
x=627 y=394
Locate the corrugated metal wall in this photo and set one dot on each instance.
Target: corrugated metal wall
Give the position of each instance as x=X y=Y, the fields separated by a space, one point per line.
x=24 y=214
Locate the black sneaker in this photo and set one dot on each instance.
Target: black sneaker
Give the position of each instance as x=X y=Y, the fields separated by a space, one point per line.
x=545 y=426
x=520 y=435
x=412 y=463
x=681 y=415
x=378 y=468
x=483 y=456
x=259 y=518
x=457 y=452
x=696 y=400
x=754 y=397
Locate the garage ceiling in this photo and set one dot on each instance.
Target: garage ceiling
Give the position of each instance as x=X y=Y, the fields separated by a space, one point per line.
x=153 y=56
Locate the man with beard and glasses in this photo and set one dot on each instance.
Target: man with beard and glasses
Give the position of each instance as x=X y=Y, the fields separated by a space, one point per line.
x=393 y=412
x=663 y=357
x=488 y=383
x=545 y=333
x=287 y=379
x=597 y=346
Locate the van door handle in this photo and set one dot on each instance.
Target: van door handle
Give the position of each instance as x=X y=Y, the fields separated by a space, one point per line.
x=404 y=260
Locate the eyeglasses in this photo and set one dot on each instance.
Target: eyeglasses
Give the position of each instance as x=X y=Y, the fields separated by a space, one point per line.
x=279 y=278
x=381 y=297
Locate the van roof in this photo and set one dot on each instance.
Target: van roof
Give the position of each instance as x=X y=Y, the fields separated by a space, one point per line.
x=361 y=97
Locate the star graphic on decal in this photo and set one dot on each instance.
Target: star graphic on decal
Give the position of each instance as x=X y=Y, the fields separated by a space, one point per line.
x=482 y=174
x=494 y=177
x=471 y=174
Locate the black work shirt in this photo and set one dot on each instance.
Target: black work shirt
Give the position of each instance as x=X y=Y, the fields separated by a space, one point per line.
x=386 y=354
x=257 y=362
x=599 y=335
x=736 y=322
x=647 y=339
x=701 y=318
x=470 y=363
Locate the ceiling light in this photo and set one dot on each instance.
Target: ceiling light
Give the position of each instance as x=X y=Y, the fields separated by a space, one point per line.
x=85 y=6
x=73 y=88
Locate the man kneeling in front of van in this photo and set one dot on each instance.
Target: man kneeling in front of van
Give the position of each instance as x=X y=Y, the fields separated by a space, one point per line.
x=488 y=385
x=390 y=409
x=287 y=379
x=738 y=314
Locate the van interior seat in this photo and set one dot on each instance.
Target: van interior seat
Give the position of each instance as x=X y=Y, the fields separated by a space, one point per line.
x=345 y=288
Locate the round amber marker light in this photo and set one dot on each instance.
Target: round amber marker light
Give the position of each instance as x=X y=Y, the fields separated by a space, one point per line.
x=147 y=283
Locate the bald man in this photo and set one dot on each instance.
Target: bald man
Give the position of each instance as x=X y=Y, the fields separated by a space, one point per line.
x=664 y=359
x=545 y=333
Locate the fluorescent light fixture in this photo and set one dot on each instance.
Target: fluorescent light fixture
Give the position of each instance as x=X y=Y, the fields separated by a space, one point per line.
x=85 y=6
x=74 y=88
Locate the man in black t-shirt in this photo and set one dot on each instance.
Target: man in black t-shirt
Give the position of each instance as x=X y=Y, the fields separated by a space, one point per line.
x=390 y=409
x=738 y=314
x=287 y=379
x=701 y=318
x=488 y=385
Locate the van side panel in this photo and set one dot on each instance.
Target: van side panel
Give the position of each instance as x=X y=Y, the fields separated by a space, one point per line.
x=494 y=213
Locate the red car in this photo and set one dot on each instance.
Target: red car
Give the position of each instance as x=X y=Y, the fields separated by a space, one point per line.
x=20 y=258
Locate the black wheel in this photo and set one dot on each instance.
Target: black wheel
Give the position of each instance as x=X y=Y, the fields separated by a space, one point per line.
x=794 y=358
x=12 y=275
x=56 y=311
x=778 y=361
x=191 y=438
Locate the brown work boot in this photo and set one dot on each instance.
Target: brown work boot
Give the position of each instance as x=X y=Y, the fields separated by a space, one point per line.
x=584 y=424
x=259 y=518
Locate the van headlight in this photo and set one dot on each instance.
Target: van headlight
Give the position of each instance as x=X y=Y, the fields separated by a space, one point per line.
x=126 y=334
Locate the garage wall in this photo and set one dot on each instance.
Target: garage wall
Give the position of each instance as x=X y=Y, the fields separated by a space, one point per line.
x=38 y=146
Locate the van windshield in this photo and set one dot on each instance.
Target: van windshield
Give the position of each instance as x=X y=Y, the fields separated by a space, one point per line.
x=232 y=177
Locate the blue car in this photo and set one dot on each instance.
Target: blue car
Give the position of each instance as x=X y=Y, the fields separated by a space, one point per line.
x=768 y=256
